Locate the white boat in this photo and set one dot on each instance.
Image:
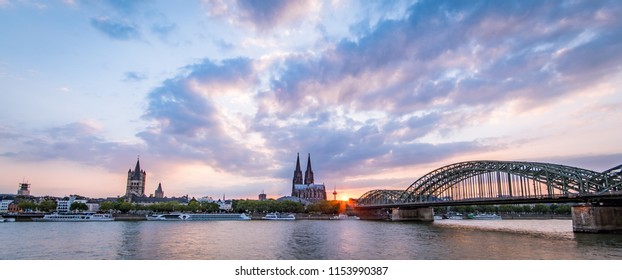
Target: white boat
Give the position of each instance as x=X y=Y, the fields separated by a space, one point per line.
x=198 y=217
x=456 y=216
x=484 y=217
x=75 y=217
x=5 y=220
x=279 y=217
x=344 y=217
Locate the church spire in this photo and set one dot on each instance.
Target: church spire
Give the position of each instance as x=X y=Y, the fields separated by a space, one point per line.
x=297 y=180
x=309 y=172
x=298 y=163
x=136 y=175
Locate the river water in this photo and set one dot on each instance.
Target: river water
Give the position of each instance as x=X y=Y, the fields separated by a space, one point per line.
x=306 y=240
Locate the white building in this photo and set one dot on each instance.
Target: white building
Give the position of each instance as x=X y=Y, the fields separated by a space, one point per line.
x=64 y=206
x=223 y=204
x=4 y=206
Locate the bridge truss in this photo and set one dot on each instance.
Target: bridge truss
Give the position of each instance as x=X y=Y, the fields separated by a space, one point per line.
x=488 y=182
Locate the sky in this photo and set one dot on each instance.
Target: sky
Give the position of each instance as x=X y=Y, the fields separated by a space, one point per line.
x=218 y=97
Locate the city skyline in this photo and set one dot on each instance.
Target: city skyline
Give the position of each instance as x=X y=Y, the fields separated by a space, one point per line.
x=218 y=97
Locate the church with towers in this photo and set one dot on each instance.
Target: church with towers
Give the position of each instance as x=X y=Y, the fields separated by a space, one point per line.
x=135 y=188
x=305 y=187
x=136 y=182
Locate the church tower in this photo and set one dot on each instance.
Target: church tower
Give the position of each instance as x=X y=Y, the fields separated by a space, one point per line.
x=297 y=175
x=135 y=182
x=309 y=172
x=158 y=192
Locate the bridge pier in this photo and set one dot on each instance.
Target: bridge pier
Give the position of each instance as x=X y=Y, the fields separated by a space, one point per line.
x=417 y=214
x=372 y=214
x=596 y=218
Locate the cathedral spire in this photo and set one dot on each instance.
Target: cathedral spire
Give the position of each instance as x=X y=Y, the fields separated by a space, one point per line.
x=309 y=172
x=297 y=180
x=298 y=163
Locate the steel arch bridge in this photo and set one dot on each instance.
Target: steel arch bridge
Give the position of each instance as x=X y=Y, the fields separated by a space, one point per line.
x=501 y=182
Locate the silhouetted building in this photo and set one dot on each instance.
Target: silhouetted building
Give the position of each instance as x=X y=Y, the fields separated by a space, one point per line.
x=158 y=192
x=135 y=182
x=262 y=196
x=307 y=190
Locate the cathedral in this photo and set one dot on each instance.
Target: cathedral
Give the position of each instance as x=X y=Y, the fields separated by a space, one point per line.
x=307 y=189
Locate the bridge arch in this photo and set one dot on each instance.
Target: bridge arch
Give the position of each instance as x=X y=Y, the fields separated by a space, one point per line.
x=376 y=197
x=495 y=180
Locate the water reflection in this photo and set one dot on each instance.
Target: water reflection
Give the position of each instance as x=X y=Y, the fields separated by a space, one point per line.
x=129 y=241
x=257 y=240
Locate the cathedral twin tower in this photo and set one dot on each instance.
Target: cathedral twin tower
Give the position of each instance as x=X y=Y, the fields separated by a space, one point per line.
x=307 y=189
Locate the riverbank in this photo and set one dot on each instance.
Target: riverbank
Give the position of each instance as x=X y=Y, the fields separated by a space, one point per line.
x=530 y=216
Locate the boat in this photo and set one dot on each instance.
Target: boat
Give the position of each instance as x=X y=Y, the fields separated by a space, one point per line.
x=75 y=217
x=198 y=217
x=484 y=217
x=456 y=216
x=279 y=217
x=344 y=217
x=5 y=220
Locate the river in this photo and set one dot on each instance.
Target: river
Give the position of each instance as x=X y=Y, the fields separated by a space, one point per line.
x=306 y=240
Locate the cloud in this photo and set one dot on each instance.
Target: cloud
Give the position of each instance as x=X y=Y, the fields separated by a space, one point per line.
x=190 y=123
x=79 y=141
x=365 y=104
x=117 y=30
x=262 y=15
x=459 y=55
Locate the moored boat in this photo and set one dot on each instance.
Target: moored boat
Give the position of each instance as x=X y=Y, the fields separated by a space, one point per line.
x=198 y=217
x=4 y=220
x=75 y=217
x=279 y=217
x=484 y=217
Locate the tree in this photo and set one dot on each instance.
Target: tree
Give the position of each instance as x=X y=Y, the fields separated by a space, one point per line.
x=325 y=207
x=210 y=207
x=124 y=207
x=106 y=206
x=193 y=206
x=27 y=205
x=563 y=210
x=78 y=206
x=47 y=205
x=541 y=208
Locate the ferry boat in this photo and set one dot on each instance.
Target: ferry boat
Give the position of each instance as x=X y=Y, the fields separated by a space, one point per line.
x=75 y=217
x=279 y=217
x=198 y=217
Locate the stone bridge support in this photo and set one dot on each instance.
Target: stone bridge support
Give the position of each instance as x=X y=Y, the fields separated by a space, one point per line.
x=596 y=218
x=417 y=214
x=372 y=214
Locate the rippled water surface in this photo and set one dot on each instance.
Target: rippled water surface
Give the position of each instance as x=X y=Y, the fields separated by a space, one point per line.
x=293 y=240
